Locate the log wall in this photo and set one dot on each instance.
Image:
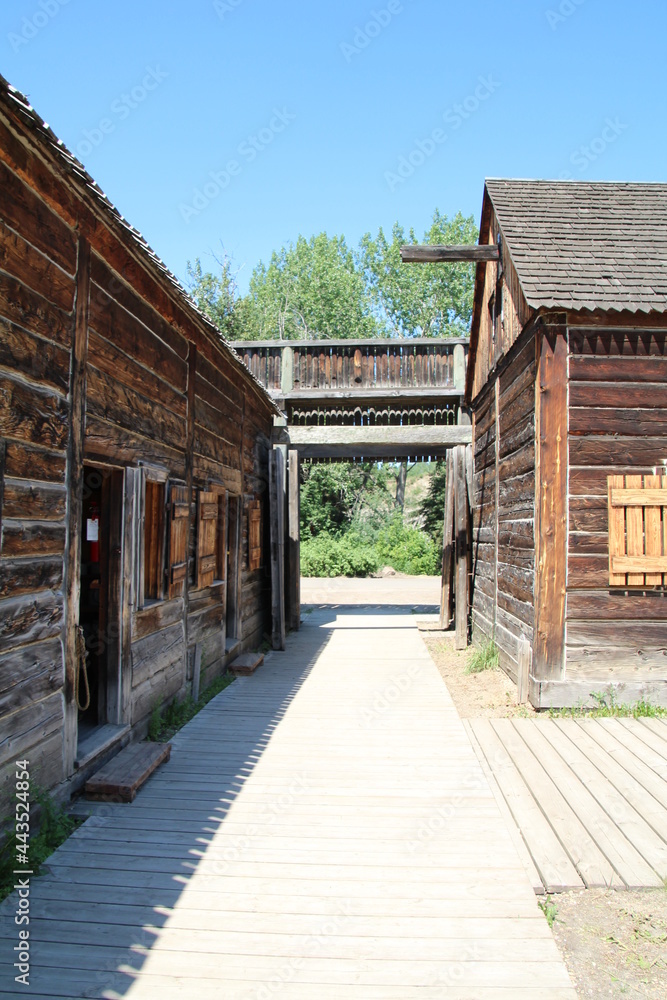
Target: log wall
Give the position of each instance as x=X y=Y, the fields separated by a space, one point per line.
x=158 y=390
x=504 y=505
x=617 y=426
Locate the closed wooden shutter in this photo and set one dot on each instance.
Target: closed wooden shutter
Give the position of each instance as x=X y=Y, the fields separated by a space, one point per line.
x=637 y=531
x=179 y=523
x=254 y=535
x=207 y=538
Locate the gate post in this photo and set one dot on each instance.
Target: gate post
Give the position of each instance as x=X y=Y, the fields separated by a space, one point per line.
x=293 y=542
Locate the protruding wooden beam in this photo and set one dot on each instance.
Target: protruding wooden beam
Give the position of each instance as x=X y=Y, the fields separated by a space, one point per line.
x=466 y=253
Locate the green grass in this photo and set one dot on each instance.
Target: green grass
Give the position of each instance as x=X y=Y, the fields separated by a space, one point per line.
x=163 y=726
x=549 y=909
x=607 y=707
x=485 y=658
x=55 y=826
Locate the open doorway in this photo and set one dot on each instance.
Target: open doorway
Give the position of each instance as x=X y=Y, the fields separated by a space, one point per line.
x=98 y=668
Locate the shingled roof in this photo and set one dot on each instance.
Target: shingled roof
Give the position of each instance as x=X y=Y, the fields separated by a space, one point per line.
x=586 y=245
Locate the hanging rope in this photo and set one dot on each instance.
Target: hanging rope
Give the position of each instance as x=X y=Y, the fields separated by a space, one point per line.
x=82 y=658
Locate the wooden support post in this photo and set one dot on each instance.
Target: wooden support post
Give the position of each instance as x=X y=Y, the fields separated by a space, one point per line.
x=130 y=547
x=550 y=499
x=196 y=672
x=523 y=671
x=293 y=551
x=3 y=455
x=277 y=519
x=448 y=546
x=462 y=593
x=77 y=395
x=287 y=370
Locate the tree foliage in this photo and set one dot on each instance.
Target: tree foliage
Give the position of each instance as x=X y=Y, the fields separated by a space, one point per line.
x=432 y=507
x=319 y=288
x=421 y=300
x=310 y=290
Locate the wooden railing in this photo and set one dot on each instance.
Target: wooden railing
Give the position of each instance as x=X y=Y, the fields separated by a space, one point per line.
x=287 y=368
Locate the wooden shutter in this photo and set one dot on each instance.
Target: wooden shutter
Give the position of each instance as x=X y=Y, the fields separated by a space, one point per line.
x=254 y=535
x=637 y=531
x=179 y=524
x=207 y=538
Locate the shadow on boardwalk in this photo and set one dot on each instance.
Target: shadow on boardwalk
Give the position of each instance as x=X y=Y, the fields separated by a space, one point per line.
x=104 y=896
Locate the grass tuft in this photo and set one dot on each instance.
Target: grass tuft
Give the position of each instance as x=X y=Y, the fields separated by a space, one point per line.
x=485 y=658
x=162 y=726
x=607 y=707
x=55 y=826
x=549 y=909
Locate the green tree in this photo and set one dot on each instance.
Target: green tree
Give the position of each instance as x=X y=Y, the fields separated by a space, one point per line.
x=432 y=507
x=310 y=290
x=216 y=295
x=427 y=300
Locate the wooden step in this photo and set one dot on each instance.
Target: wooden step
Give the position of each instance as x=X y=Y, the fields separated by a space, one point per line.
x=246 y=664
x=122 y=777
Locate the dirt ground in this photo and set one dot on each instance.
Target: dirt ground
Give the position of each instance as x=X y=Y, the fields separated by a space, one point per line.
x=614 y=942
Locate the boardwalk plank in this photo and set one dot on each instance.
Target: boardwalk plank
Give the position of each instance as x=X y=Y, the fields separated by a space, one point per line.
x=335 y=846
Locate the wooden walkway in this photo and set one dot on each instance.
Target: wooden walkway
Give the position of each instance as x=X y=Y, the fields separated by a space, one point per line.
x=589 y=796
x=323 y=831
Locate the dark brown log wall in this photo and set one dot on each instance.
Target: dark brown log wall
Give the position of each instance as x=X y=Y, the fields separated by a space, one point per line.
x=503 y=519
x=617 y=426
x=158 y=388
x=38 y=257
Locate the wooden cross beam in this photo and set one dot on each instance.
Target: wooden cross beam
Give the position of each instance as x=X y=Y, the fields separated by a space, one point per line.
x=414 y=254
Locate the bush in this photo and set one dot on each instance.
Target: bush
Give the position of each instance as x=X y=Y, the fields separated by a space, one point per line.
x=346 y=556
x=408 y=550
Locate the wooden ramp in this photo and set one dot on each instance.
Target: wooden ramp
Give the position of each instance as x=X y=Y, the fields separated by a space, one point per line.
x=588 y=795
x=122 y=777
x=324 y=831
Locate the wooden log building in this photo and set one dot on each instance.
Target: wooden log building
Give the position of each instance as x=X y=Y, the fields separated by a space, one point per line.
x=134 y=456
x=567 y=380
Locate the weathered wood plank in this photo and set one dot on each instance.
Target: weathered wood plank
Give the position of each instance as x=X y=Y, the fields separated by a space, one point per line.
x=377 y=441
x=32 y=414
x=551 y=503
x=23 y=261
x=34 y=357
x=414 y=253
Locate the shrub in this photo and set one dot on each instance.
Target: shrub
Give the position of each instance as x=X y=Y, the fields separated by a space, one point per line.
x=346 y=556
x=408 y=550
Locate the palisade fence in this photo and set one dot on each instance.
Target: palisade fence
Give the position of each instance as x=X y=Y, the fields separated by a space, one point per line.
x=289 y=368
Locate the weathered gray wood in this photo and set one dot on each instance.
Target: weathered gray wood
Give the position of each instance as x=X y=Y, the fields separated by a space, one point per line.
x=74 y=496
x=196 y=672
x=287 y=370
x=523 y=671
x=3 y=455
x=448 y=254
x=293 y=542
x=277 y=533
x=462 y=584
x=448 y=546
x=372 y=442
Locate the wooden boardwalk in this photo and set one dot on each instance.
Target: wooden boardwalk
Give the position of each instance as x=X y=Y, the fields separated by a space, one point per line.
x=323 y=831
x=588 y=795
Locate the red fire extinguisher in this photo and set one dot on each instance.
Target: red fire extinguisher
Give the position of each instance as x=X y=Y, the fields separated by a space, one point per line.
x=93 y=531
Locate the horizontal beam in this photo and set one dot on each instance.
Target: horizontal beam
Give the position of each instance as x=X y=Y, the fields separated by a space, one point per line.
x=354 y=342
x=372 y=442
x=376 y=396
x=413 y=254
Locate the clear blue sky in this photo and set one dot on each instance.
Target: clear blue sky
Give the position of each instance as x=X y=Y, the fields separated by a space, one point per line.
x=314 y=104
